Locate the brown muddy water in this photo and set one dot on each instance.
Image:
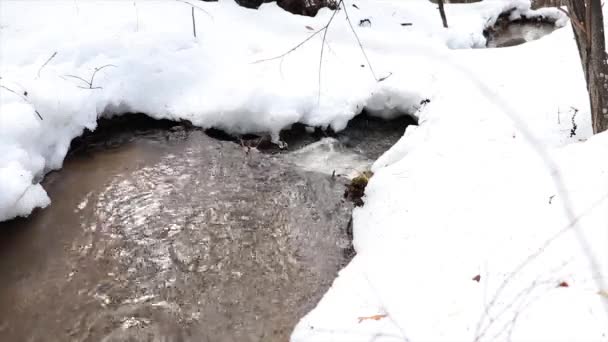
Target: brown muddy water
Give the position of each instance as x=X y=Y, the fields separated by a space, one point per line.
x=163 y=233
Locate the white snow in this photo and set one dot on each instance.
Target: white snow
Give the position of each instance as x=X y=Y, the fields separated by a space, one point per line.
x=331 y=157
x=149 y=62
x=490 y=185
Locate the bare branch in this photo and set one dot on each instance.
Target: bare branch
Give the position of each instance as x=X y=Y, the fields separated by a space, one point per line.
x=193 y=23
x=97 y=70
x=90 y=82
x=47 y=62
x=293 y=48
x=359 y=42
x=78 y=78
x=24 y=98
x=322 y=48
x=194 y=6
x=574 y=20
x=136 y=16
x=324 y=29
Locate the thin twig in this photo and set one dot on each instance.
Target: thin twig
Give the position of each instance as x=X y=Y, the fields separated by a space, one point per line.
x=193 y=23
x=97 y=70
x=194 y=6
x=385 y=77
x=24 y=99
x=90 y=82
x=324 y=29
x=359 y=42
x=47 y=62
x=574 y=20
x=293 y=48
x=506 y=282
x=323 y=48
x=78 y=78
x=136 y=16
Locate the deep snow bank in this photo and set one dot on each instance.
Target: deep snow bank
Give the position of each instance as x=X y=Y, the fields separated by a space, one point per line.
x=155 y=65
x=488 y=222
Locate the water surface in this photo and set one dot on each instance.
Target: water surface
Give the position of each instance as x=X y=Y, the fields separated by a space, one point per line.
x=163 y=233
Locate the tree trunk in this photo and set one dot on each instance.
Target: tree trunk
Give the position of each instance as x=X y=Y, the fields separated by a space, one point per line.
x=588 y=24
x=442 y=13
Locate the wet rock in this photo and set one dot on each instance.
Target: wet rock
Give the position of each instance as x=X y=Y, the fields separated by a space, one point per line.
x=355 y=190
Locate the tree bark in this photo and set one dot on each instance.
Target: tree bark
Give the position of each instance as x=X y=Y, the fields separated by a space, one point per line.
x=588 y=24
x=444 y=19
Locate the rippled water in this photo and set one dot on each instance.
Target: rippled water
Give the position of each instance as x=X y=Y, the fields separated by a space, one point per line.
x=518 y=33
x=170 y=235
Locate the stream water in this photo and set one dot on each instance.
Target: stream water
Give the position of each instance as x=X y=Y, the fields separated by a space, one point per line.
x=166 y=234
x=518 y=33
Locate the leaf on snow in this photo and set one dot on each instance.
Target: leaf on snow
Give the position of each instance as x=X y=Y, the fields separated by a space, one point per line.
x=374 y=317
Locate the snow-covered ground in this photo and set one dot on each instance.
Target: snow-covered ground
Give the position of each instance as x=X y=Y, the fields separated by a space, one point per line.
x=486 y=222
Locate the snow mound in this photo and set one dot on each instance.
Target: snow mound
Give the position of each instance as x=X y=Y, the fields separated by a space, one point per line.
x=487 y=222
x=71 y=62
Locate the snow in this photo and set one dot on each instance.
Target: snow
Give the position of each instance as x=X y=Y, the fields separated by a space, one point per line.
x=331 y=157
x=471 y=221
x=490 y=185
x=149 y=62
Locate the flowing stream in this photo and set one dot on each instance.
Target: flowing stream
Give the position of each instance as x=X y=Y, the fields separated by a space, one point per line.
x=163 y=233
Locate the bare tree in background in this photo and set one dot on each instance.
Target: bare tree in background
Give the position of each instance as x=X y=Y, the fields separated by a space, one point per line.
x=442 y=13
x=588 y=24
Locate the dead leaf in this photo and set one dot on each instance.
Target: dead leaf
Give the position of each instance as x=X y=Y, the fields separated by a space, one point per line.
x=603 y=293
x=563 y=284
x=477 y=278
x=374 y=317
x=310 y=28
